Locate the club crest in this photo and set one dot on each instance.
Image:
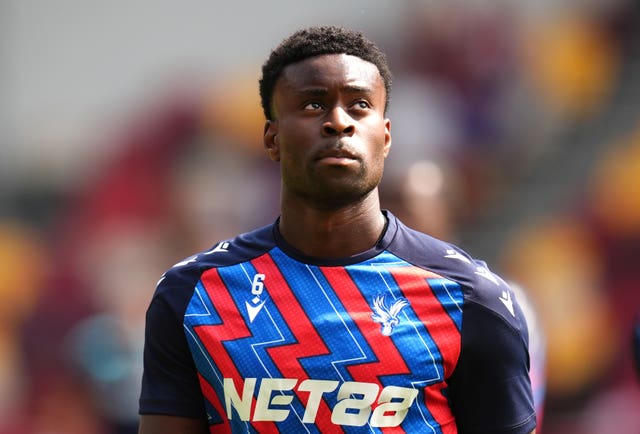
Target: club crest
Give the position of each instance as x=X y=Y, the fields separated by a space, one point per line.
x=387 y=315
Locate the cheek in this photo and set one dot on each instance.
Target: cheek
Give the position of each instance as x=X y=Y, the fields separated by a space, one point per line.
x=377 y=141
x=377 y=153
x=291 y=157
x=295 y=142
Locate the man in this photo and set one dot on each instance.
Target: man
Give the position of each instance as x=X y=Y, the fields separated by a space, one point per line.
x=337 y=317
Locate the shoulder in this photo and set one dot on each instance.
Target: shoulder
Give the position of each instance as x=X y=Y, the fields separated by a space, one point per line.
x=177 y=283
x=489 y=388
x=479 y=285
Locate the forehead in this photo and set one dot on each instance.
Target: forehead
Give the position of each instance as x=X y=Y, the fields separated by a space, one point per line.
x=331 y=70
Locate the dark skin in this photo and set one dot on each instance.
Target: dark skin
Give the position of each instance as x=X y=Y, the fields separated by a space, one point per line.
x=330 y=136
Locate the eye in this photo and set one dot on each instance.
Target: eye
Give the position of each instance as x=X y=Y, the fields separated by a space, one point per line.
x=362 y=104
x=312 y=106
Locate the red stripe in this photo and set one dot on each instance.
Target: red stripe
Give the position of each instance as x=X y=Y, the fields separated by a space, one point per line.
x=415 y=288
x=210 y=393
x=308 y=342
x=439 y=408
x=232 y=327
x=389 y=361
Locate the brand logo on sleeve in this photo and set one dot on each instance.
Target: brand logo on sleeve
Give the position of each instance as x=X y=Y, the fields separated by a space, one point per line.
x=505 y=298
x=220 y=247
x=454 y=254
x=484 y=272
x=189 y=260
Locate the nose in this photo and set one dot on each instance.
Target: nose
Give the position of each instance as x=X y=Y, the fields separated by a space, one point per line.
x=338 y=123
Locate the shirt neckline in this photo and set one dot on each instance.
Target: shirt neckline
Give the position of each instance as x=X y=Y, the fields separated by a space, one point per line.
x=381 y=245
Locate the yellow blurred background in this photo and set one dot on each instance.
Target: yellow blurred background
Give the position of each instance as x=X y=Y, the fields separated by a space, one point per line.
x=130 y=138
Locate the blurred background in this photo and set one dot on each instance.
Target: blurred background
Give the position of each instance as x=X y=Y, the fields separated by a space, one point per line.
x=130 y=137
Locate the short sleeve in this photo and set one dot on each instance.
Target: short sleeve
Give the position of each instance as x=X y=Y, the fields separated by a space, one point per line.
x=170 y=383
x=490 y=389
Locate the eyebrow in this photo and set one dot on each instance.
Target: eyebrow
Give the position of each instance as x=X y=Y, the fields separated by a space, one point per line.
x=319 y=91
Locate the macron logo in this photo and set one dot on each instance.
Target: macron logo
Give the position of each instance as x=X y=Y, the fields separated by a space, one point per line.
x=254 y=309
x=220 y=247
x=481 y=271
x=453 y=254
x=257 y=289
x=505 y=298
x=187 y=261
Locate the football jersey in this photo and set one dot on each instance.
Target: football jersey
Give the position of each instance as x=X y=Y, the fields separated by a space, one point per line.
x=412 y=335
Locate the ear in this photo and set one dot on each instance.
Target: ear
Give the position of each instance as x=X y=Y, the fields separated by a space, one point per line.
x=271 y=140
x=387 y=137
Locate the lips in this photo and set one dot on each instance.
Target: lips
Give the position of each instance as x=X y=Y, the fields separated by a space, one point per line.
x=336 y=153
x=336 y=159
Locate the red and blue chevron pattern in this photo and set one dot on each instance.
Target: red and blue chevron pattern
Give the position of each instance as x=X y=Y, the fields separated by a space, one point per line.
x=301 y=348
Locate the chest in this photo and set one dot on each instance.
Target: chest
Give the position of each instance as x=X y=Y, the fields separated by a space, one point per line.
x=278 y=341
x=382 y=322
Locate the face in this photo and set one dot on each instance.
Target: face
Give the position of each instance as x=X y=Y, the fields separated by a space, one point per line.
x=329 y=132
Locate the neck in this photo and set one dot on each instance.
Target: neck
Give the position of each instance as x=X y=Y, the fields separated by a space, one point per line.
x=332 y=233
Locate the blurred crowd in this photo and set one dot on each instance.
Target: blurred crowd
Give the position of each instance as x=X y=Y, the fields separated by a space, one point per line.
x=480 y=95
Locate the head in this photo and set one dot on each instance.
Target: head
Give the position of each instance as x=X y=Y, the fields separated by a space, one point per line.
x=325 y=95
x=316 y=41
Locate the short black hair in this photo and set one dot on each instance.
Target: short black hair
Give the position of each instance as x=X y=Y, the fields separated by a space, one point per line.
x=316 y=41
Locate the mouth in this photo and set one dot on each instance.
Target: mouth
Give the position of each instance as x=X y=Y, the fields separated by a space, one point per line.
x=336 y=155
x=336 y=160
